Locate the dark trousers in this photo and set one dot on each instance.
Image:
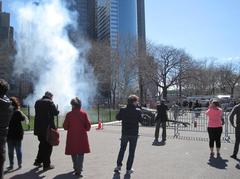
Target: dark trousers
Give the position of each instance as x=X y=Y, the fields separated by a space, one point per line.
x=78 y=162
x=214 y=136
x=237 y=141
x=164 y=133
x=132 y=147
x=44 y=152
x=17 y=145
x=2 y=155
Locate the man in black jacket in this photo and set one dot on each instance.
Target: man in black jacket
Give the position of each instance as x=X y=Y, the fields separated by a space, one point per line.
x=161 y=119
x=236 y=111
x=6 y=110
x=45 y=110
x=130 y=117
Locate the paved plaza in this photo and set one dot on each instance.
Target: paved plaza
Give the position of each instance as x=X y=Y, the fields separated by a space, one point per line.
x=186 y=158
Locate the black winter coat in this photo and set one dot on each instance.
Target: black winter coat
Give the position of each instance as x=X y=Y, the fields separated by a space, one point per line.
x=162 y=112
x=6 y=110
x=15 y=131
x=45 y=110
x=130 y=117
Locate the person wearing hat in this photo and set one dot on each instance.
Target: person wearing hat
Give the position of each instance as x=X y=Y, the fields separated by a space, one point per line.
x=77 y=125
x=45 y=110
x=161 y=119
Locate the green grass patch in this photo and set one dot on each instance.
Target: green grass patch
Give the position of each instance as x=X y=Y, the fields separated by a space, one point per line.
x=106 y=115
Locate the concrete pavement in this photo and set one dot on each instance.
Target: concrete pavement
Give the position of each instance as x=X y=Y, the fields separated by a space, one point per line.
x=187 y=158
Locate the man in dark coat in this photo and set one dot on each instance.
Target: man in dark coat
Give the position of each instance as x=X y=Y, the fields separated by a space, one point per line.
x=130 y=117
x=161 y=119
x=236 y=111
x=6 y=110
x=45 y=110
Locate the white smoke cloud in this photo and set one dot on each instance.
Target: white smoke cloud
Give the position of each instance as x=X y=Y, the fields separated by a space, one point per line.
x=45 y=51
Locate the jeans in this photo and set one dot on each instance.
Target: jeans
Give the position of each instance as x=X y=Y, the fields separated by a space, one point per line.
x=237 y=141
x=17 y=145
x=44 y=152
x=164 y=133
x=214 y=136
x=2 y=155
x=78 y=162
x=132 y=147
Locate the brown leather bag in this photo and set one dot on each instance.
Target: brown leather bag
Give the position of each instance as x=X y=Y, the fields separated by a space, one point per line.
x=53 y=136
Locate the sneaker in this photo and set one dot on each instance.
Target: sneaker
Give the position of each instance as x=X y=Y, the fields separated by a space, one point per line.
x=78 y=174
x=155 y=142
x=117 y=169
x=50 y=167
x=234 y=156
x=37 y=164
x=218 y=155
x=129 y=172
x=19 y=166
x=212 y=154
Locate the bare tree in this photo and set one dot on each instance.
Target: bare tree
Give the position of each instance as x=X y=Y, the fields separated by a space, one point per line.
x=168 y=64
x=230 y=76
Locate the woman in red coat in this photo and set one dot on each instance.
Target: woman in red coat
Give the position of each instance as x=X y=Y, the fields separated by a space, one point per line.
x=77 y=124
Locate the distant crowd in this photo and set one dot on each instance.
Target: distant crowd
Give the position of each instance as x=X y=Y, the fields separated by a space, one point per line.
x=77 y=124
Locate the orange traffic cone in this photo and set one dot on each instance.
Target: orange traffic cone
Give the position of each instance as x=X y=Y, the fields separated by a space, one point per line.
x=99 y=125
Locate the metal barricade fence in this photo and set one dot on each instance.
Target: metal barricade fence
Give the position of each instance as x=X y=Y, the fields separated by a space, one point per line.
x=198 y=122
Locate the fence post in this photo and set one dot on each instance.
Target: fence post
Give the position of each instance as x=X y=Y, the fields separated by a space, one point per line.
x=109 y=106
x=57 y=118
x=29 y=117
x=226 y=137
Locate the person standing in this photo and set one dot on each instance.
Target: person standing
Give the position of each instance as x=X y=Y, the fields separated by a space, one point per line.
x=236 y=112
x=6 y=110
x=77 y=124
x=130 y=116
x=15 y=134
x=161 y=120
x=215 y=122
x=45 y=110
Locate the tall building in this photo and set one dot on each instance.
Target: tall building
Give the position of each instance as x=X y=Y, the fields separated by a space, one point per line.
x=86 y=10
x=141 y=25
x=6 y=45
x=117 y=21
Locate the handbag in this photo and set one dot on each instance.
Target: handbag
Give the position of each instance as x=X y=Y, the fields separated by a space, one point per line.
x=53 y=136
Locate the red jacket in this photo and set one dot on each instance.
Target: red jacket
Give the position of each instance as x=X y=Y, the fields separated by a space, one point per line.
x=77 y=124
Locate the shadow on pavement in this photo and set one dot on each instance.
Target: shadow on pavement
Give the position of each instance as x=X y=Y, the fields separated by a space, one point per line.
x=65 y=176
x=218 y=162
x=159 y=143
x=11 y=171
x=34 y=173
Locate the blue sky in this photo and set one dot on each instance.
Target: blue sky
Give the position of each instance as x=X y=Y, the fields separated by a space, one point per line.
x=204 y=28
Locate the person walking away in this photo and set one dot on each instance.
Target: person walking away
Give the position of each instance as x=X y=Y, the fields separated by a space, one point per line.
x=15 y=134
x=197 y=109
x=77 y=124
x=45 y=110
x=236 y=124
x=6 y=110
x=130 y=116
x=161 y=120
x=214 y=114
x=176 y=110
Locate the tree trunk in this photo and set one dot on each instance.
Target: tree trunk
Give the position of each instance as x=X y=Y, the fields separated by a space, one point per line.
x=164 y=92
x=232 y=91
